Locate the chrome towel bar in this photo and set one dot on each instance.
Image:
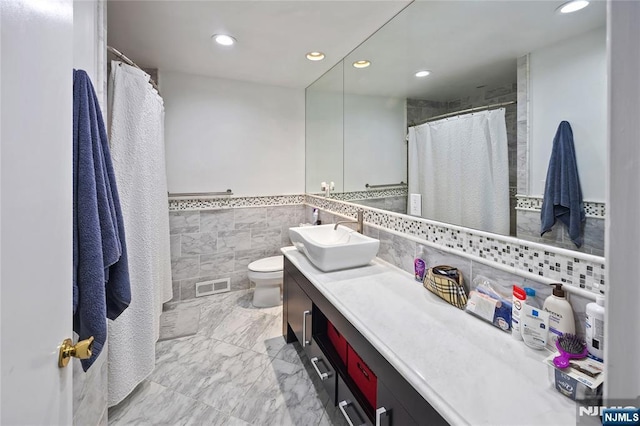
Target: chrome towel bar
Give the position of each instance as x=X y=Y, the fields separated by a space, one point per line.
x=199 y=194
x=387 y=185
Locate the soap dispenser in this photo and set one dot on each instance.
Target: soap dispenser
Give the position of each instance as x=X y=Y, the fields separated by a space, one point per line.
x=561 y=319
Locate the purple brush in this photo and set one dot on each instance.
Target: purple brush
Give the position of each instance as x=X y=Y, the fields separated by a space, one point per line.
x=570 y=346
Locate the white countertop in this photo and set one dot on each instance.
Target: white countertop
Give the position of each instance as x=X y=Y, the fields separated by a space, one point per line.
x=468 y=370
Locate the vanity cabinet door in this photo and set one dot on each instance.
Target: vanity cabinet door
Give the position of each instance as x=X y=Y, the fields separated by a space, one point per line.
x=299 y=308
x=389 y=412
x=351 y=410
x=324 y=369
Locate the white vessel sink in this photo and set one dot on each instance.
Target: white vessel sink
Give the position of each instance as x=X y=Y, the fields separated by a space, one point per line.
x=331 y=249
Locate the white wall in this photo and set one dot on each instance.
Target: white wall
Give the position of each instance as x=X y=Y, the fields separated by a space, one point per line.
x=89 y=46
x=568 y=82
x=324 y=139
x=375 y=147
x=224 y=134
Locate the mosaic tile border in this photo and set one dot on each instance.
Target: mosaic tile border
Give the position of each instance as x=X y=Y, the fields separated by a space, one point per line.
x=571 y=268
x=591 y=208
x=204 y=203
x=365 y=195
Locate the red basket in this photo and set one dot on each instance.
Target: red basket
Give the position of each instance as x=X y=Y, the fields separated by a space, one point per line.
x=338 y=341
x=364 y=378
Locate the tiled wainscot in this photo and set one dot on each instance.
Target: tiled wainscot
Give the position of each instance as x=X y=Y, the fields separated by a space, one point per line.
x=218 y=243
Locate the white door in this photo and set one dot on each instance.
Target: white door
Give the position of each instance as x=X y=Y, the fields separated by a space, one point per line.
x=36 y=40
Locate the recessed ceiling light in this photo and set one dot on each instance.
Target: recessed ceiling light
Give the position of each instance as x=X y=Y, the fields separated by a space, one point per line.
x=361 y=64
x=573 y=6
x=223 y=39
x=315 y=56
x=423 y=73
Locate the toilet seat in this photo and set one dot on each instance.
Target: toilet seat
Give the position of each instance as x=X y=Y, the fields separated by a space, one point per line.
x=268 y=264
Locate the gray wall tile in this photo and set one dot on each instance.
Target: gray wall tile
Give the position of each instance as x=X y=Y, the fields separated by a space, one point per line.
x=504 y=280
x=285 y=216
x=250 y=217
x=240 y=281
x=216 y=264
x=244 y=257
x=234 y=240
x=397 y=250
x=184 y=222
x=201 y=243
x=286 y=241
x=268 y=238
x=221 y=243
x=593 y=232
x=185 y=267
x=175 y=285
x=188 y=288
x=216 y=220
x=175 y=246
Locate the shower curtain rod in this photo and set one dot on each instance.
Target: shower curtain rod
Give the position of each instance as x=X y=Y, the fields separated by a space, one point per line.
x=128 y=61
x=450 y=114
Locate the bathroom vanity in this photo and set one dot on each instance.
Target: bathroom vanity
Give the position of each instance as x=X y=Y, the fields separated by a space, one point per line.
x=389 y=352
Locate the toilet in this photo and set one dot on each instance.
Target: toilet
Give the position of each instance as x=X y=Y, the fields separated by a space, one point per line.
x=266 y=274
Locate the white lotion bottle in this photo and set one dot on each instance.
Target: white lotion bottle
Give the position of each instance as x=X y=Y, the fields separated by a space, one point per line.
x=595 y=328
x=561 y=319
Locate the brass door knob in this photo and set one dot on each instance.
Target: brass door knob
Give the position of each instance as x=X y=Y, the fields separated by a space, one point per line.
x=81 y=350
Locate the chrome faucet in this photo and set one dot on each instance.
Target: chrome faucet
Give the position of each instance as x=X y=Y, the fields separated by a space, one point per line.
x=360 y=227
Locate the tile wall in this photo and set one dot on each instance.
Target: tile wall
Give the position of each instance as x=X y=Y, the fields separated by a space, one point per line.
x=401 y=252
x=579 y=270
x=215 y=243
x=218 y=243
x=593 y=233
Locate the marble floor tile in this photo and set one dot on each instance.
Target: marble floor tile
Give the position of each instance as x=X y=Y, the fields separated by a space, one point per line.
x=242 y=328
x=213 y=372
x=291 y=353
x=332 y=416
x=245 y=301
x=236 y=371
x=179 y=323
x=151 y=403
x=271 y=341
x=283 y=395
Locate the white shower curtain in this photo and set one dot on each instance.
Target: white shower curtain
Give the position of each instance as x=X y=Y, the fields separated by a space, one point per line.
x=460 y=167
x=136 y=137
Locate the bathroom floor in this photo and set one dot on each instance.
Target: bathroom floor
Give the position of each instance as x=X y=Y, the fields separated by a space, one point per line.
x=236 y=370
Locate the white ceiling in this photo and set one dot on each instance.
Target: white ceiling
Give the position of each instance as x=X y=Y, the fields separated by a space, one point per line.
x=273 y=36
x=465 y=44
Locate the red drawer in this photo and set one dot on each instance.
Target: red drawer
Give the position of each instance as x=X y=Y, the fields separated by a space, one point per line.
x=338 y=341
x=364 y=378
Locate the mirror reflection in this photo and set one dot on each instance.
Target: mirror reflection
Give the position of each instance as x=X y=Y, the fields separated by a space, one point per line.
x=454 y=118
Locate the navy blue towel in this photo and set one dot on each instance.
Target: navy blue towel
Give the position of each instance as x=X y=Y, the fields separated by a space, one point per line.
x=101 y=287
x=562 y=192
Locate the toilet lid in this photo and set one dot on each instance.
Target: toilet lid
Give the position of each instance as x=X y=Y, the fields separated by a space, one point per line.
x=268 y=264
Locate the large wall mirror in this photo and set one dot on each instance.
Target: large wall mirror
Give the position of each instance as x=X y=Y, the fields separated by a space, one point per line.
x=469 y=143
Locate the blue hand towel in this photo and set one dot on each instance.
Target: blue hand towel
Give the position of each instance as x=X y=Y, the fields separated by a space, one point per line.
x=562 y=192
x=101 y=287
